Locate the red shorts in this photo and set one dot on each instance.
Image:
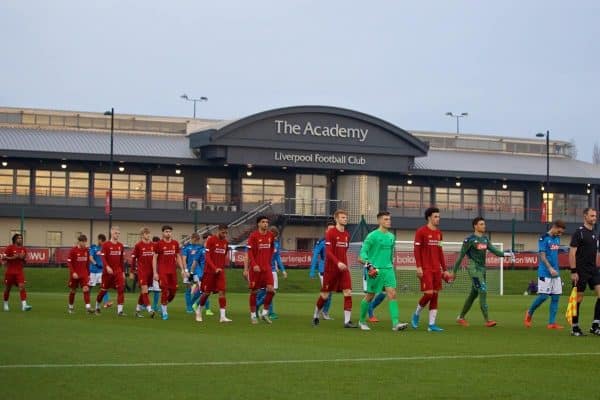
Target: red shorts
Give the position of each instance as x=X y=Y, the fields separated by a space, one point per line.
x=83 y=280
x=14 y=278
x=168 y=280
x=431 y=280
x=213 y=282
x=116 y=280
x=336 y=280
x=145 y=277
x=259 y=280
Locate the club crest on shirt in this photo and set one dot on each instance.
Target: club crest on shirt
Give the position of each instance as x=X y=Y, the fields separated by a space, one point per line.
x=481 y=246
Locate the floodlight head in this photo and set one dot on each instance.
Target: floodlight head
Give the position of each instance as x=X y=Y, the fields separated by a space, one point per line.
x=449 y=114
x=204 y=98
x=184 y=96
x=464 y=114
x=540 y=134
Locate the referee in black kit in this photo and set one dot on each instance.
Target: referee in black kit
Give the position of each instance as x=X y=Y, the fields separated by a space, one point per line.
x=582 y=260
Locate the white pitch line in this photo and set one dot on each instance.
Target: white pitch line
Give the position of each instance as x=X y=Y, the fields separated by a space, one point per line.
x=314 y=361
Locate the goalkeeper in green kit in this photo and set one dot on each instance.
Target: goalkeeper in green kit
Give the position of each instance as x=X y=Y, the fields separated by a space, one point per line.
x=475 y=246
x=377 y=253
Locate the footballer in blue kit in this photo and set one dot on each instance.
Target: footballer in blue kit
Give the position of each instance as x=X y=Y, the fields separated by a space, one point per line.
x=549 y=282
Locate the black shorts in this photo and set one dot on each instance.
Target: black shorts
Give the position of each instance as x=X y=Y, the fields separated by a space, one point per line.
x=588 y=278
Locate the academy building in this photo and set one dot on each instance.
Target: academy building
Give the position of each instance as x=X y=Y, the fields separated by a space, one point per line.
x=298 y=163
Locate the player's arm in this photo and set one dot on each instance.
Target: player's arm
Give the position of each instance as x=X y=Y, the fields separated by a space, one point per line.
x=155 y=265
x=330 y=243
x=497 y=252
x=278 y=261
x=576 y=241
x=252 y=253
x=107 y=266
x=71 y=264
x=418 y=250
x=364 y=256
x=10 y=254
x=314 y=262
x=463 y=251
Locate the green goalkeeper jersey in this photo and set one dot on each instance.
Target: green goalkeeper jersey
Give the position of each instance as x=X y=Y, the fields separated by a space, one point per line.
x=475 y=247
x=378 y=249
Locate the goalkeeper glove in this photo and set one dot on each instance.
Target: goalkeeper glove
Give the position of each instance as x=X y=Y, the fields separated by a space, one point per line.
x=371 y=270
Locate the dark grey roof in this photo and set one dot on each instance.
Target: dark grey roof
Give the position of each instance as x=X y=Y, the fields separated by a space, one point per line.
x=48 y=141
x=509 y=164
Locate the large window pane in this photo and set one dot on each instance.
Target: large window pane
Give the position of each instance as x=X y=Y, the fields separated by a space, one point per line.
x=408 y=200
x=14 y=186
x=167 y=191
x=504 y=204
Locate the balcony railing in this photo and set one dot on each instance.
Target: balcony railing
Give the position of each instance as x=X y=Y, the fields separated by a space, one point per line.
x=312 y=207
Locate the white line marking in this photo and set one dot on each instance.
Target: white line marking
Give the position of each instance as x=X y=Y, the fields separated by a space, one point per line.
x=315 y=361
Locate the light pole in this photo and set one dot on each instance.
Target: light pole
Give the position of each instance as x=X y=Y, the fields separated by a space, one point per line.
x=201 y=98
x=110 y=167
x=458 y=117
x=547 y=184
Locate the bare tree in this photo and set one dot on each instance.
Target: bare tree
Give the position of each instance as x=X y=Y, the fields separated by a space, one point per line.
x=596 y=154
x=572 y=149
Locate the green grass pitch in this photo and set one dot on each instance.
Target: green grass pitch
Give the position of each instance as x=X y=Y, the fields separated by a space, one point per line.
x=48 y=354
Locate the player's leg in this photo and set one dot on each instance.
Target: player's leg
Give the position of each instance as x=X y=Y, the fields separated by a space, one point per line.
x=260 y=297
x=468 y=301
x=103 y=290
x=7 y=287
x=327 y=305
x=188 y=295
x=544 y=286
x=483 y=305
x=328 y=283
x=426 y=285
x=345 y=283
x=221 y=288
x=267 y=278
x=364 y=306
x=86 y=297
x=433 y=303
x=377 y=300
x=581 y=285
x=120 y=286
x=595 y=329
x=71 y=303
x=23 y=292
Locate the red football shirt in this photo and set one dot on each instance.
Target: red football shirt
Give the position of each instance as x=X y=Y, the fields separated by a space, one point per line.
x=17 y=264
x=216 y=253
x=112 y=256
x=429 y=254
x=166 y=262
x=260 y=250
x=78 y=261
x=336 y=248
x=142 y=255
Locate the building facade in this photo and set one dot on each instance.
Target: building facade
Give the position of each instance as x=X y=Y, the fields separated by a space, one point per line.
x=299 y=163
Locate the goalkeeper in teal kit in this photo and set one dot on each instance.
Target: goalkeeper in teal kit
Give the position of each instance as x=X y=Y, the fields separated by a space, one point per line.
x=475 y=246
x=377 y=253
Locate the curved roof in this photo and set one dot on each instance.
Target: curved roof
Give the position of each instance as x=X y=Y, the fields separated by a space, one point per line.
x=223 y=129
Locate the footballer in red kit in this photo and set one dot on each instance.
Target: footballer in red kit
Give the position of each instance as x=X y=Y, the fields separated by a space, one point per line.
x=213 y=280
x=166 y=260
x=336 y=276
x=113 y=274
x=431 y=267
x=261 y=246
x=15 y=255
x=79 y=273
x=141 y=263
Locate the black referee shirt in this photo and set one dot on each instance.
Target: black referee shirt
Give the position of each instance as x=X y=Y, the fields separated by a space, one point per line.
x=586 y=242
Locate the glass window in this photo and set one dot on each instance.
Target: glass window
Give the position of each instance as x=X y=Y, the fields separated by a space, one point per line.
x=129 y=190
x=457 y=202
x=408 y=200
x=14 y=185
x=311 y=196
x=167 y=191
x=218 y=191
x=566 y=206
x=53 y=238
x=258 y=191
x=504 y=204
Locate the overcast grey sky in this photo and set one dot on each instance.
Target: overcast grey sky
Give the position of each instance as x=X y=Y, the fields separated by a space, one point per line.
x=517 y=67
